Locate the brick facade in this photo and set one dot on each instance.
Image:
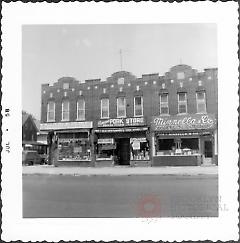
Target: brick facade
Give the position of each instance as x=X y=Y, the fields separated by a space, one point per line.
x=180 y=78
x=149 y=85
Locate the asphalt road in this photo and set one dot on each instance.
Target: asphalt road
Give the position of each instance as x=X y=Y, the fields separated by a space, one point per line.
x=119 y=196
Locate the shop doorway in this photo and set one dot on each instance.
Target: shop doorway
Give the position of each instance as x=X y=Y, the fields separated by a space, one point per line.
x=123 y=151
x=208 y=151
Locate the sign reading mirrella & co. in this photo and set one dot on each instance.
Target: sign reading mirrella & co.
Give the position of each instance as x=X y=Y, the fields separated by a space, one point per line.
x=122 y=122
x=186 y=122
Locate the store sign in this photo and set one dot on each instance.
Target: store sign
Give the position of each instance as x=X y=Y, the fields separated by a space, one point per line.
x=195 y=121
x=122 y=122
x=140 y=140
x=65 y=125
x=105 y=141
x=135 y=129
x=136 y=145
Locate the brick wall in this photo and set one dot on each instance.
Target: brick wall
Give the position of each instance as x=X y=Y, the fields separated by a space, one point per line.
x=149 y=85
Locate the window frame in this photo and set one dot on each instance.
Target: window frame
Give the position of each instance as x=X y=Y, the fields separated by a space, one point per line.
x=48 y=111
x=68 y=111
x=182 y=103
x=102 y=108
x=201 y=102
x=124 y=107
x=134 y=106
x=84 y=110
x=163 y=104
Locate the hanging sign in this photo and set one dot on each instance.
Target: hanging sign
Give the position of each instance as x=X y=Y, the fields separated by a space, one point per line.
x=187 y=122
x=122 y=122
x=136 y=145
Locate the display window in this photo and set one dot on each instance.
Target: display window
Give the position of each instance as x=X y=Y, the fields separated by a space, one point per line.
x=73 y=147
x=105 y=149
x=177 y=146
x=139 y=149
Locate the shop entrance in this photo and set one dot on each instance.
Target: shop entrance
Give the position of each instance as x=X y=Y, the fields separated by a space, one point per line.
x=208 y=152
x=123 y=151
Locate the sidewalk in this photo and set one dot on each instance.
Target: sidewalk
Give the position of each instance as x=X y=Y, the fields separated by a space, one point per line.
x=118 y=171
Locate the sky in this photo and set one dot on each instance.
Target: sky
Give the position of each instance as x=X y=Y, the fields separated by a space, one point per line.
x=50 y=52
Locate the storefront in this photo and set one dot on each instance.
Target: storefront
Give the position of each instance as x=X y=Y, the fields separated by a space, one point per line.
x=73 y=140
x=184 y=140
x=122 y=140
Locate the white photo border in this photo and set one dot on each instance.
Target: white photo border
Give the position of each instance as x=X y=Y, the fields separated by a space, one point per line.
x=224 y=227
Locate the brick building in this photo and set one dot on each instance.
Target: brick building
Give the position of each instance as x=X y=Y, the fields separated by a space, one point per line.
x=162 y=120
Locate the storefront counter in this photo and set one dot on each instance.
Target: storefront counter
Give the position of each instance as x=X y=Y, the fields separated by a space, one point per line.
x=176 y=160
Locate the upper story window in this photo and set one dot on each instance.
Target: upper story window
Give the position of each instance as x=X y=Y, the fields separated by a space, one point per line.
x=81 y=109
x=138 y=106
x=65 y=85
x=121 y=107
x=180 y=75
x=65 y=110
x=104 y=108
x=164 y=104
x=201 y=102
x=120 y=81
x=51 y=111
x=182 y=103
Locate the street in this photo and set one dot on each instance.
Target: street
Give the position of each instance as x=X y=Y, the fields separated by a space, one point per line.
x=120 y=196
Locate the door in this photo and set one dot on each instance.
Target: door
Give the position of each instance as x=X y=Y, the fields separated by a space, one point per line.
x=208 y=152
x=123 y=151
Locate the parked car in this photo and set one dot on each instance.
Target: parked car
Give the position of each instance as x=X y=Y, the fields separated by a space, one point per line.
x=31 y=157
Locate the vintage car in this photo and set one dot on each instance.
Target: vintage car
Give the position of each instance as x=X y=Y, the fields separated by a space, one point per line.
x=31 y=157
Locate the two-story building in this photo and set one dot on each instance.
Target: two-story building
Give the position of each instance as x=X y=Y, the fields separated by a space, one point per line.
x=163 y=120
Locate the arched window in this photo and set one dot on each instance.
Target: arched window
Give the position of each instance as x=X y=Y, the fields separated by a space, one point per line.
x=65 y=110
x=81 y=109
x=51 y=111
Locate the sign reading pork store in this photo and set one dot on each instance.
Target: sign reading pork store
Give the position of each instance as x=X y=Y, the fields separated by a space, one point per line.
x=187 y=122
x=122 y=122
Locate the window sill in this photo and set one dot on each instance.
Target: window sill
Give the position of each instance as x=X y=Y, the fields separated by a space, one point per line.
x=180 y=114
x=80 y=119
x=102 y=118
x=164 y=114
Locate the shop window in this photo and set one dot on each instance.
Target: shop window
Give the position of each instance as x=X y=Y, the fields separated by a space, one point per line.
x=105 y=149
x=74 y=147
x=177 y=146
x=138 y=106
x=201 y=102
x=104 y=108
x=182 y=103
x=51 y=111
x=121 y=107
x=81 y=109
x=164 y=110
x=189 y=143
x=139 y=149
x=65 y=110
